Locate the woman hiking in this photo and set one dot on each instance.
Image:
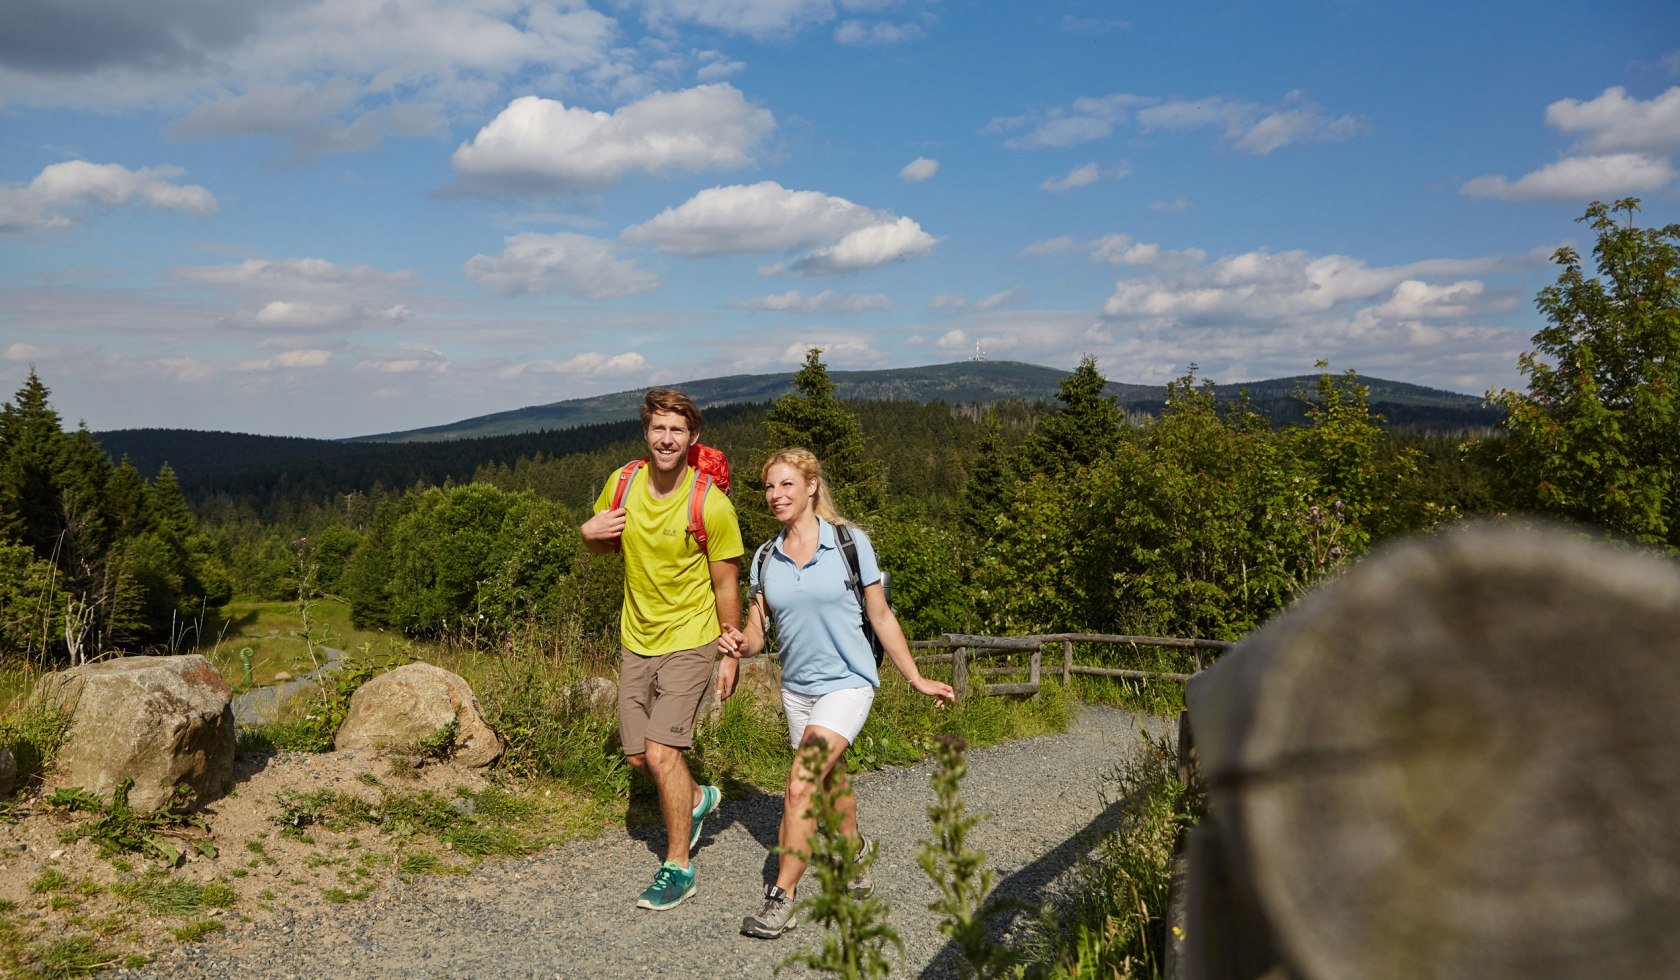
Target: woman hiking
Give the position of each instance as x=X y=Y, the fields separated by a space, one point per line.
x=803 y=579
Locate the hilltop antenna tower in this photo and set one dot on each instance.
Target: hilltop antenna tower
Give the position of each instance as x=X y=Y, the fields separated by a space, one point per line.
x=979 y=355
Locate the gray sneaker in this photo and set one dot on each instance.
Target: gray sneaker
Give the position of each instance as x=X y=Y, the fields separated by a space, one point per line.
x=862 y=886
x=775 y=918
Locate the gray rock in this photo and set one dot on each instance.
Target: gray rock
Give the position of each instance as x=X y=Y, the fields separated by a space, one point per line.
x=600 y=690
x=8 y=773
x=405 y=706
x=161 y=721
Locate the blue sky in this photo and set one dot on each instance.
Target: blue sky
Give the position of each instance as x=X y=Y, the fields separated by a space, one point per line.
x=337 y=217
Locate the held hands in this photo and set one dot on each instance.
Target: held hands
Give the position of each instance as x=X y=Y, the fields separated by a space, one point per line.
x=606 y=527
x=733 y=642
x=939 y=690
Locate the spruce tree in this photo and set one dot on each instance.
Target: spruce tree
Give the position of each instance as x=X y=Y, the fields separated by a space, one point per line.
x=811 y=417
x=1080 y=432
x=31 y=443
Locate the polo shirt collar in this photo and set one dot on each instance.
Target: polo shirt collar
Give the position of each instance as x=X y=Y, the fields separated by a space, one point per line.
x=825 y=537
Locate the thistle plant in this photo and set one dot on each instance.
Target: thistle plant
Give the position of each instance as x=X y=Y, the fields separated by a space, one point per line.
x=856 y=931
x=960 y=872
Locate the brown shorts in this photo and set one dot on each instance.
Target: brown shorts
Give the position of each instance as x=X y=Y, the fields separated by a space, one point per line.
x=659 y=697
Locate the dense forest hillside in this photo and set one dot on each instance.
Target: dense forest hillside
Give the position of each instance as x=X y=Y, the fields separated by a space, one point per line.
x=233 y=466
x=962 y=383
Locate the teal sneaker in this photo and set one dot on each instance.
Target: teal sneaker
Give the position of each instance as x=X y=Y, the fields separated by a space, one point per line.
x=710 y=797
x=671 y=884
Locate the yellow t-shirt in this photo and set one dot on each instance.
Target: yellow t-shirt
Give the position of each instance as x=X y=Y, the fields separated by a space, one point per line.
x=668 y=600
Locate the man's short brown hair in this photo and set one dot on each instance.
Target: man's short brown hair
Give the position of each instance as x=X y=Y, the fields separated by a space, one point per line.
x=673 y=401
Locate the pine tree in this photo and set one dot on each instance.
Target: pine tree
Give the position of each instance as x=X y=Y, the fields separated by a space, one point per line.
x=84 y=470
x=166 y=508
x=991 y=480
x=811 y=417
x=1082 y=430
x=31 y=443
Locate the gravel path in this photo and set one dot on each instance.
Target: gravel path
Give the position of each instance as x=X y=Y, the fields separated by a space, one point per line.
x=261 y=705
x=569 y=912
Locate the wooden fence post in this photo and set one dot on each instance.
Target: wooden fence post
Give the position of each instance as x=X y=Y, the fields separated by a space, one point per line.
x=959 y=672
x=1067 y=663
x=1459 y=760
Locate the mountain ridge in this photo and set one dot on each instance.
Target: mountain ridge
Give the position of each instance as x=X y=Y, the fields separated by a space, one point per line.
x=960 y=382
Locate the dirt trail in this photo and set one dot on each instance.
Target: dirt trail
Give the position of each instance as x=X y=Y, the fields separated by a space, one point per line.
x=569 y=912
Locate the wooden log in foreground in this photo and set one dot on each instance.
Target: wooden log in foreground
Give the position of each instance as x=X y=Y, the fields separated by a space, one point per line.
x=1461 y=759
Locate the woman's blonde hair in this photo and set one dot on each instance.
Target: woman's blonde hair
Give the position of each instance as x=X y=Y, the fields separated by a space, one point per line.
x=810 y=467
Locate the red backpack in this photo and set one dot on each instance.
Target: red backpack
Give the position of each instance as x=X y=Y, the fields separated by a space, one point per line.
x=710 y=465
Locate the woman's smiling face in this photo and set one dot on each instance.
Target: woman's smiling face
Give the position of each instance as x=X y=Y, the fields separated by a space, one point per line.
x=788 y=493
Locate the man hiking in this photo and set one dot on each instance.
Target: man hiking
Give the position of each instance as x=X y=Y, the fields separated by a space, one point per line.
x=680 y=591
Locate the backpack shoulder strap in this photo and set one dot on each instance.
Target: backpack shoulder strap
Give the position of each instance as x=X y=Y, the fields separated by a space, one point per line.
x=625 y=475
x=847 y=540
x=697 y=509
x=849 y=550
x=761 y=559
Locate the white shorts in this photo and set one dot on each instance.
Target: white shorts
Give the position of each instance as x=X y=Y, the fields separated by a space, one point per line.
x=843 y=711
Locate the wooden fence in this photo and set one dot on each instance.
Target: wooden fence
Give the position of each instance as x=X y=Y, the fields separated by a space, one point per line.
x=964 y=647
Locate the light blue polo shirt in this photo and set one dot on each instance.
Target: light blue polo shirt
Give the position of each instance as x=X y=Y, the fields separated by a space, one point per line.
x=819 y=625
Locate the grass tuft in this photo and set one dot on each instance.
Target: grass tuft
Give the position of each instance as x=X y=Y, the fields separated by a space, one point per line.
x=1113 y=920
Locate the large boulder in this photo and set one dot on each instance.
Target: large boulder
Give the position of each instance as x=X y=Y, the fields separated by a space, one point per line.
x=162 y=721
x=408 y=706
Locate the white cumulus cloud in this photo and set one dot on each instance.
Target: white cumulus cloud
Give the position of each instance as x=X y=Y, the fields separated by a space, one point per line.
x=63 y=188
x=538 y=143
x=1413 y=299
x=1124 y=250
x=589 y=364
x=304 y=315
x=1617 y=123
x=767 y=217
x=762 y=217
x=866 y=248
x=919 y=169
x=1285 y=286
x=577 y=265
x=1579 y=179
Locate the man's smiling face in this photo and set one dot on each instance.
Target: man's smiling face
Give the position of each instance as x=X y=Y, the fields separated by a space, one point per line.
x=668 y=439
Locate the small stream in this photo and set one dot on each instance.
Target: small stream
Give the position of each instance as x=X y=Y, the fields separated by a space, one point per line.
x=260 y=705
